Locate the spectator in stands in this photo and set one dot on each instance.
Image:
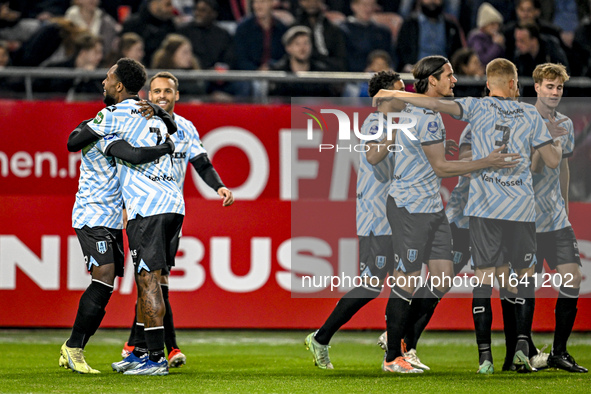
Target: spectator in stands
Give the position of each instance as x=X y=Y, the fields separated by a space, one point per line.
x=153 y=22
x=465 y=62
x=129 y=45
x=87 y=56
x=582 y=42
x=567 y=15
x=298 y=45
x=211 y=43
x=176 y=53
x=53 y=42
x=13 y=27
x=533 y=49
x=42 y=10
x=232 y=10
x=328 y=42
x=486 y=40
x=257 y=41
x=505 y=8
x=427 y=32
x=8 y=84
x=527 y=11
x=377 y=61
x=362 y=35
x=88 y=15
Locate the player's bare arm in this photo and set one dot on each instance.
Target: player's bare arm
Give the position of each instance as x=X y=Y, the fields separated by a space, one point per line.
x=537 y=164
x=445 y=169
x=378 y=151
x=420 y=100
x=551 y=153
x=465 y=152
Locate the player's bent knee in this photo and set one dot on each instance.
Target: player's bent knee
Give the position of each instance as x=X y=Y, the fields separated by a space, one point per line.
x=104 y=273
x=571 y=275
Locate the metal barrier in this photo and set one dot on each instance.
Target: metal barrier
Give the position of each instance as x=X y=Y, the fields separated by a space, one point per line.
x=262 y=77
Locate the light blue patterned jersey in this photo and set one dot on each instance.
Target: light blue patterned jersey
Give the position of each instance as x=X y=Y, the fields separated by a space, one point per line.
x=550 y=206
x=148 y=189
x=415 y=185
x=459 y=195
x=187 y=147
x=373 y=183
x=98 y=201
x=505 y=194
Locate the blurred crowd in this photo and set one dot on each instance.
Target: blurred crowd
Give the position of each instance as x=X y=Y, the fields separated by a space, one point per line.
x=288 y=35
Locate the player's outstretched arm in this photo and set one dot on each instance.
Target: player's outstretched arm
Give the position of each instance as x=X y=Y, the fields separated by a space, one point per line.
x=420 y=100
x=205 y=169
x=537 y=163
x=444 y=169
x=124 y=151
x=81 y=136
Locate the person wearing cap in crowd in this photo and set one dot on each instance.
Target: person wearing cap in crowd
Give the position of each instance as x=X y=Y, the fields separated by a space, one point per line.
x=298 y=47
x=486 y=40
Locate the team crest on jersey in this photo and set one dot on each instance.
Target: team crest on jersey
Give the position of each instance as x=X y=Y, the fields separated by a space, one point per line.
x=101 y=247
x=380 y=261
x=457 y=257
x=528 y=257
x=374 y=129
x=412 y=255
x=432 y=127
x=99 y=118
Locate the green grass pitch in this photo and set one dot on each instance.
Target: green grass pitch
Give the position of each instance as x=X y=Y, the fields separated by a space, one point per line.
x=277 y=362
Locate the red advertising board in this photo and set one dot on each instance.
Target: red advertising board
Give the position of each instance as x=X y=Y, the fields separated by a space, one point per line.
x=234 y=264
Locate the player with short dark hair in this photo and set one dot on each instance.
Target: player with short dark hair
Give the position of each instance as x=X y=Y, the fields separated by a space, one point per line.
x=97 y=219
x=153 y=201
x=555 y=236
x=189 y=150
x=420 y=229
x=373 y=230
x=501 y=203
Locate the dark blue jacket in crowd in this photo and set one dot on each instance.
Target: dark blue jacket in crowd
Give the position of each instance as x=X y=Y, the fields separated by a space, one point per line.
x=363 y=38
x=248 y=43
